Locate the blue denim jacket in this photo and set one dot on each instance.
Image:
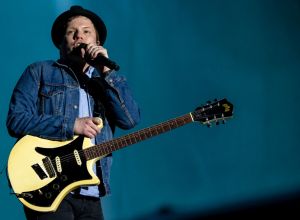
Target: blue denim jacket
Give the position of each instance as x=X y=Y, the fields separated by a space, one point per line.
x=45 y=103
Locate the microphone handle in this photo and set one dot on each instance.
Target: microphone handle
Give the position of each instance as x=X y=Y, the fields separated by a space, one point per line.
x=100 y=59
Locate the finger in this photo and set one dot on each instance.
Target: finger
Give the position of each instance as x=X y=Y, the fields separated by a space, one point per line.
x=82 y=52
x=91 y=47
x=90 y=135
x=91 y=132
x=97 y=120
x=96 y=128
x=98 y=50
x=88 y=49
x=95 y=50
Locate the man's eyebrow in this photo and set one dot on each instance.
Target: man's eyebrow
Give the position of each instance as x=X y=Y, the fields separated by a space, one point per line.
x=76 y=27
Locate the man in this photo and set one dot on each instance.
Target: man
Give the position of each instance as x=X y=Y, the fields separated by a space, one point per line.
x=57 y=100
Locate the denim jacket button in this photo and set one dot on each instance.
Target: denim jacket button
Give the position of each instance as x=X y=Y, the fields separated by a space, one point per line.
x=75 y=106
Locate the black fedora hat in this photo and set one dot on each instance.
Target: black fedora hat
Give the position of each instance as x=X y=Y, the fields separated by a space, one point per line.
x=59 y=25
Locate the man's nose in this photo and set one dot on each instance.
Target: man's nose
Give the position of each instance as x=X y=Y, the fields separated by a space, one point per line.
x=78 y=35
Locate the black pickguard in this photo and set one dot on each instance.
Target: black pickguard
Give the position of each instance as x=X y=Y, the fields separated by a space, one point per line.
x=71 y=172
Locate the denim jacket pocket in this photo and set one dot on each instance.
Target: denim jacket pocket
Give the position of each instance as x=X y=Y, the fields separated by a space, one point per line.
x=52 y=99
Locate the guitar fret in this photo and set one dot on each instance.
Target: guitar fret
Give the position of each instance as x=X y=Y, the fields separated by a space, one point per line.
x=113 y=145
x=129 y=139
x=94 y=152
x=97 y=151
x=116 y=144
x=133 y=140
x=108 y=148
x=137 y=137
x=166 y=127
x=124 y=142
x=145 y=134
x=148 y=132
x=104 y=149
x=160 y=129
x=155 y=131
x=87 y=154
x=142 y=135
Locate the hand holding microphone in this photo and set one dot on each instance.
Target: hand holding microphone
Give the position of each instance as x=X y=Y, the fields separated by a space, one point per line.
x=94 y=58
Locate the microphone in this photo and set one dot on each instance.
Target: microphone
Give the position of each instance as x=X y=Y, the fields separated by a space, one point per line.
x=100 y=59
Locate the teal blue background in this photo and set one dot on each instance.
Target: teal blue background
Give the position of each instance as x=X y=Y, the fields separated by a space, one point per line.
x=177 y=55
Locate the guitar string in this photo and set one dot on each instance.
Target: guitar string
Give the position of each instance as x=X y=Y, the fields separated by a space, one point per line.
x=183 y=117
x=125 y=138
x=114 y=142
x=106 y=145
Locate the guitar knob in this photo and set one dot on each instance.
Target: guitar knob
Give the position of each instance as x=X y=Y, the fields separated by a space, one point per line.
x=48 y=195
x=56 y=186
x=64 y=178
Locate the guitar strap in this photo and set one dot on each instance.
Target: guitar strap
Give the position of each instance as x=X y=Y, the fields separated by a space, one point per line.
x=95 y=86
x=101 y=186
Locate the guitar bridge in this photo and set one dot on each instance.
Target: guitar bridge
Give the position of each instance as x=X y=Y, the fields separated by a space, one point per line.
x=39 y=171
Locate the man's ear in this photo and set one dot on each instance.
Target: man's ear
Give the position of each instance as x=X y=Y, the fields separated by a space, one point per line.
x=61 y=45
x=62 y=48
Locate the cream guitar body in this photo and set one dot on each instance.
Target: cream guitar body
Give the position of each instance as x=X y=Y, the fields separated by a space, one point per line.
x=43 y=172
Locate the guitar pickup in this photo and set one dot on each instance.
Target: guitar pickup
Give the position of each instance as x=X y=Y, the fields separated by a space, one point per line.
x=49 y=167
x=39 y=171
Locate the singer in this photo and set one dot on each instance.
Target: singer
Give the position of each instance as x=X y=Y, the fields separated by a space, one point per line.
x=57 y=100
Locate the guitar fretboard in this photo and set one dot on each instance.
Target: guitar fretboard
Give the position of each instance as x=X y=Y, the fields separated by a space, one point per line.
x=135 y=137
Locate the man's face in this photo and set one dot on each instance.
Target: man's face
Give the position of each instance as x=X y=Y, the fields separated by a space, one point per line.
x=79 y=30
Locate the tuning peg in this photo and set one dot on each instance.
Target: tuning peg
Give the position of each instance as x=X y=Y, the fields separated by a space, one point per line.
x=215 y=100
x=223 y=121
x=208 y=123
x=208 y=102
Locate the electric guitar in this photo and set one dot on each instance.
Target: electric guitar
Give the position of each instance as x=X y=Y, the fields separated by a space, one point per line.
x=42 y=172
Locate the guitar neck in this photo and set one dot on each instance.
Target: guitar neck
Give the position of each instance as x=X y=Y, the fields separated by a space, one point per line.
x=135 y=137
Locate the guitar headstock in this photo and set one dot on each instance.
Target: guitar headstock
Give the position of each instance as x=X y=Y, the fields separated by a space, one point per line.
x=213 y=112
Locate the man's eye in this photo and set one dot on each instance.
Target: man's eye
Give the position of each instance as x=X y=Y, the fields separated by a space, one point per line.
x=69 y=32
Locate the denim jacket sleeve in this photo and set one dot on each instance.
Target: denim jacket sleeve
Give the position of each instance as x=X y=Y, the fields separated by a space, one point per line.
x=23 y=117
x=122 y=107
